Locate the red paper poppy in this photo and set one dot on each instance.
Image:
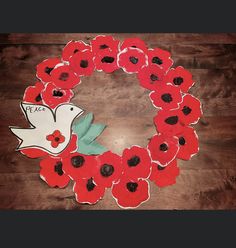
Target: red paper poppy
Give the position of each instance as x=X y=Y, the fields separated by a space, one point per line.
x=82 y=63
x=106 y=60
x=166 y=97
x=190 y=110
x=132 y=59
x=45 y=68
x=53 y=96
x=51 y=172
x=180 y=78
x=33 y=93
x=136 y=162
x=56 y=138
x=130 y=193
x=160 y=57
x=33 y=152
x=168 y=121
x=188 y=143
x=87 y=191
x=135 y=43
x=78 y=165
x=71 y=147
x=151 y=77
x=72 y=48
x=109 y=169
x=164 y=176
x=64 y=78
x=102 y=42
x=163 y=149
x=38 y=153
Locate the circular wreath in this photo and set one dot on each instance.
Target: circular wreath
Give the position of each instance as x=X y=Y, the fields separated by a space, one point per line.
x=92 y=167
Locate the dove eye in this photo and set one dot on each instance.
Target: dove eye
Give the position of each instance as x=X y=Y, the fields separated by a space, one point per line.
x=71 y=109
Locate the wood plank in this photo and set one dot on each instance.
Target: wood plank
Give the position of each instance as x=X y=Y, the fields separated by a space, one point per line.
x=152 y=39
x=201 y=189
x=113 y=96
x=207 y=181
x=200 y=56
x=210 y=83
x=217 y=144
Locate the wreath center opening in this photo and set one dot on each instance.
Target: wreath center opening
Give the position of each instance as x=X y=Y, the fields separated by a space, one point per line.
x=117 y=100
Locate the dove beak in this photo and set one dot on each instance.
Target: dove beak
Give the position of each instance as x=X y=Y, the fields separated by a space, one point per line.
x=81 y=111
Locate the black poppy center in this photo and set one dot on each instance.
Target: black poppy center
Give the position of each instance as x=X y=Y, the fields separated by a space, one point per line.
x=135 y=160
x=57 y=139
x=167 y=97
x=77 y=161
x=172 y=120
x=133 y=60
x=132 y=187
x=76 y=50
x=38 y=98
x=57 y=93
x=107 y=170
x=104 y=46
x=48 y=70
x=163 y=147
x=58 y=168
x=153 y=77
x=160 y=167
x=157 y=60
x=107 y=59
x=64 y=76
x=186 y=110
x=178 y=80
x=84 y=63
x=182 y=141
x=90 y=184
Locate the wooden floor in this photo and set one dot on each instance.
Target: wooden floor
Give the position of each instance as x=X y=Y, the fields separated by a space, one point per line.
x=208 y=181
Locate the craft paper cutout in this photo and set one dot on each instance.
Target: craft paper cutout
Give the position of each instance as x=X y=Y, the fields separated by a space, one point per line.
x=163 y=148
x=164 y=176
x=51 y=172
x=135 y=43
x=86 y=191
x=109 y=169
x=131 y=193
x=136 y=162
x=54 y=96
x=73 y=47
x=50 y=130
x=87 y=133
x=67 y=145
x=151 y=76
x=79 y=166
x=131 y=59
x=160 y=57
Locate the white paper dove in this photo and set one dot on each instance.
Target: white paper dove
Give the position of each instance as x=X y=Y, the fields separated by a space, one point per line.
x=50 y=129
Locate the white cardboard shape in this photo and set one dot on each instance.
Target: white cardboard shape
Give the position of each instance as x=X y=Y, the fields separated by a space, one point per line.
x=44 y=121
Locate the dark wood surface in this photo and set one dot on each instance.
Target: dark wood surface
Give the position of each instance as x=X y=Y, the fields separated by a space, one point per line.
x=208 y=181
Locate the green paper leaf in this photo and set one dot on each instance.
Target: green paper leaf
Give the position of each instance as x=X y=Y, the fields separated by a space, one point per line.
x=93 y=148
x=87 y=133
x=93 y=132
x=82 y=125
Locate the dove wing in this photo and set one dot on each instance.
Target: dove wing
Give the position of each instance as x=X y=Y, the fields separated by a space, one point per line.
x=37 y=114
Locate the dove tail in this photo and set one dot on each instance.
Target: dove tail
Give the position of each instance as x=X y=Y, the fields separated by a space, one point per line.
x=20 y=133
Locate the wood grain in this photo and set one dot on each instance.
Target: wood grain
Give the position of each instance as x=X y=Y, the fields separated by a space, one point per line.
x=207 y=181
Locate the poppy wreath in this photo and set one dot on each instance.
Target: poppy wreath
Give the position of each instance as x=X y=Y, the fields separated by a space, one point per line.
x=94 y=168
